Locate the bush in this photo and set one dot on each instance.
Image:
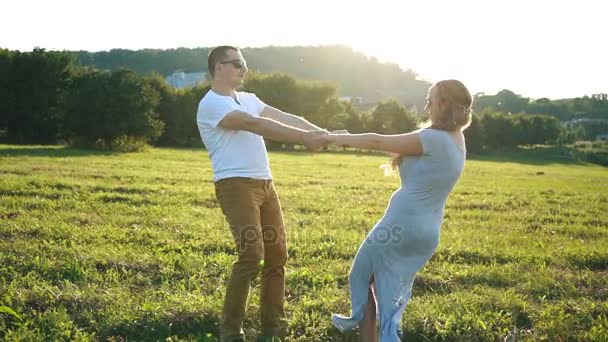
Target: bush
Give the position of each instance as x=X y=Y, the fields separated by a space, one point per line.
x=111 y=111
x=122 y=143
x=582 y=145
x=596 y=157
x=177 y=109
x=32 y=87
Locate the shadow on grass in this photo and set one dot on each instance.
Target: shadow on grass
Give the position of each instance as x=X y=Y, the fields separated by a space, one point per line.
x=544 y=155
x=189 y=326
x=533 y=156
x=49 y=151
x=539 y=155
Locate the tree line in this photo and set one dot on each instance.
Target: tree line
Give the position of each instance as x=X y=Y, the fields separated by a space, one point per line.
x=46 y=97
x=506 y=101
x=374 y=81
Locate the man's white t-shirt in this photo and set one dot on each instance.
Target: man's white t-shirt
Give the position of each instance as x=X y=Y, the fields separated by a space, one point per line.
x=233 y=153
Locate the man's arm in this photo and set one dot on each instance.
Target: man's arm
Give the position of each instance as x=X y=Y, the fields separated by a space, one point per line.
x=271 y=129
x=289 y=119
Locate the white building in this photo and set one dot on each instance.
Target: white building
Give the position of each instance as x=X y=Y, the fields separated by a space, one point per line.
x=571 y=124
x=180 y=79
x=355 y=100
x=601 y=137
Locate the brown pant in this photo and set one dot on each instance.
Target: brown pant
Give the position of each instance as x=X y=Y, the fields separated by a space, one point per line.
x=253 y=211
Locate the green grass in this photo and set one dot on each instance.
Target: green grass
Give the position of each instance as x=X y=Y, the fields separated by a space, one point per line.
x=102 y=246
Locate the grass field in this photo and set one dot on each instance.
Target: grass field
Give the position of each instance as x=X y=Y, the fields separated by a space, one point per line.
x=102 y=246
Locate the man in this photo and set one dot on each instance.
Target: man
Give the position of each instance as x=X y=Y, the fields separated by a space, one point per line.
x=232 y=125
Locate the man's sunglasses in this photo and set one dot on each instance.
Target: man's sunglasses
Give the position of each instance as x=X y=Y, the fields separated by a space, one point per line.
x=237 y=63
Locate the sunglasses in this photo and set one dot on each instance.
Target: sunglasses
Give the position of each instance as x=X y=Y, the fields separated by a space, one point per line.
x=237 y=63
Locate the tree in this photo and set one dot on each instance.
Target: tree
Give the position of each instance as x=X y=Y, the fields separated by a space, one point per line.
x=298 y=97
x=177 y=110
x=390 y=118
x=6 y=95
x=35 y=85
x=277 y=90
x=342 y=115
x=372 y=80
x=106 y=109
x=498 y=130
x=474 y=135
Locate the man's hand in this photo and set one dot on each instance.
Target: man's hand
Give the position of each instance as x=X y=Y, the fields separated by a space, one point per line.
x=338 y=138
x=315 y=140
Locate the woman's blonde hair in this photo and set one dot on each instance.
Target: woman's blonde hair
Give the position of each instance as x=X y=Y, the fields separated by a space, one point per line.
x=457 y=114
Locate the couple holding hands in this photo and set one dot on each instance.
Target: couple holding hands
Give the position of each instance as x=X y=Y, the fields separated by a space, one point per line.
x=430 y=160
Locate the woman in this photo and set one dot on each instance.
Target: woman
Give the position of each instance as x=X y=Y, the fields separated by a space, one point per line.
x=430 y=161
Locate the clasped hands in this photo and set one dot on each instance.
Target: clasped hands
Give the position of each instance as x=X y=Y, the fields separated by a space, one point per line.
x=316 y=140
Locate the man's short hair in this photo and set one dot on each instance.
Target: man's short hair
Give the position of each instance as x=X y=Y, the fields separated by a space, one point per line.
x=217 y=55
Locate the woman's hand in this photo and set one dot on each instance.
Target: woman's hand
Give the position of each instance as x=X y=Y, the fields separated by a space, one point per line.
x=336 y=138
x=323 y=138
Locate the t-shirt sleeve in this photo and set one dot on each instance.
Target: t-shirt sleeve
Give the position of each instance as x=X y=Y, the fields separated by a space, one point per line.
x=210 y=113
x=428 y=139
x=259 y=104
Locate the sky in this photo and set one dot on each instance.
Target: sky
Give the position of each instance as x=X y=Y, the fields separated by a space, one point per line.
x=554 y=49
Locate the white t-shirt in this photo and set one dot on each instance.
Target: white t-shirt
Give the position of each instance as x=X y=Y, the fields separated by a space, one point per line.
x=232 y=153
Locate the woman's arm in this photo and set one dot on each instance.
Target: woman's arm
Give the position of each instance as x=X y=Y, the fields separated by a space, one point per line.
x=402 y=144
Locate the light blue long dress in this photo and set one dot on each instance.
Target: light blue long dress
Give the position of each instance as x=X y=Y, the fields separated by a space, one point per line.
x=406 y=236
